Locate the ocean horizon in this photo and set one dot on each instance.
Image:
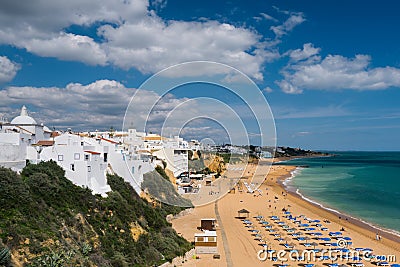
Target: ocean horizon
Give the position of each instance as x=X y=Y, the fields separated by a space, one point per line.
x=360 y=184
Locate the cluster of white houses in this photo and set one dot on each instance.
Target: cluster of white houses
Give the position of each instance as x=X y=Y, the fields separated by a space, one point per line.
x=88 y=157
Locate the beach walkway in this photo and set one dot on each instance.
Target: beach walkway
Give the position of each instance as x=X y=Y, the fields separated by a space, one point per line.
x=224 y=238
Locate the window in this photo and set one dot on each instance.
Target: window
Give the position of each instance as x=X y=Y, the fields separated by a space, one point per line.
x=60 y=157
x=72 y=167
x=199 y=239
x=133 y=170
x=86 y=157
x=77 y=156
x=211 y=239
x=89 y=168
x=105 y=157
x=81 y=143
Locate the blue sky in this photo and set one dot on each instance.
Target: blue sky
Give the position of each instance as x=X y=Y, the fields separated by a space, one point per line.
x=330 y=70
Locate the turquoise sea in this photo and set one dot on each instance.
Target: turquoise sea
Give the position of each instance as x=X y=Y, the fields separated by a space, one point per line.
x=364 y=185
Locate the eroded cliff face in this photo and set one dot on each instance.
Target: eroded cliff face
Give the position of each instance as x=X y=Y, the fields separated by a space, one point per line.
x=216 y=164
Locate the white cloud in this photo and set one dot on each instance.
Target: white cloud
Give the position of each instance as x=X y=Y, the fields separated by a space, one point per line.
x=288 y=88
x=300 y=54
x=131 y=35
x=295 y=18
x=159 y=4
x=67 y=46
x=268 y=90
x=153 y=45
x=101 y=103
x=268 y=17
x=8 y=69
x=334 y=72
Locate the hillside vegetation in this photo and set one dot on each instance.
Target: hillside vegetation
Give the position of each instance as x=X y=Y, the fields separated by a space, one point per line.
x=45 y=220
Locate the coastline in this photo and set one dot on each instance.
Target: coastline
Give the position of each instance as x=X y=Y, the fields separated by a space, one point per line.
x=340 y=216
x=240 y=247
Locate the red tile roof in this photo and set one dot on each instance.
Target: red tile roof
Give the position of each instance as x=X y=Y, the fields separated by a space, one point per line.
x=45 y=143
x=92 y=152
x=108 y=140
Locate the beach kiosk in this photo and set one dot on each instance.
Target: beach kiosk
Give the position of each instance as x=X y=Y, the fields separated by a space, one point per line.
x=243 y=213
x=206 y=242
x=208 y=224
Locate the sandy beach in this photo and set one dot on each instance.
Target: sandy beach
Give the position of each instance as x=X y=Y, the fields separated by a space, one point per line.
x=239 y=241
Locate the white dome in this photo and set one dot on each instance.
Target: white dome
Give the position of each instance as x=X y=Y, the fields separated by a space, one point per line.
x=23 y=120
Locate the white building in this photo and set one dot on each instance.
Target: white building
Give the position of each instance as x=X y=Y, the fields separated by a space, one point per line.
x=84 y=163
x=174 y=151
x=87 y=157
x=206 y=242
x=17 y=140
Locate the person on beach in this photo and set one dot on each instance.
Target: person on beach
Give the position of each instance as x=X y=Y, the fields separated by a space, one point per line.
x=377 y=236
